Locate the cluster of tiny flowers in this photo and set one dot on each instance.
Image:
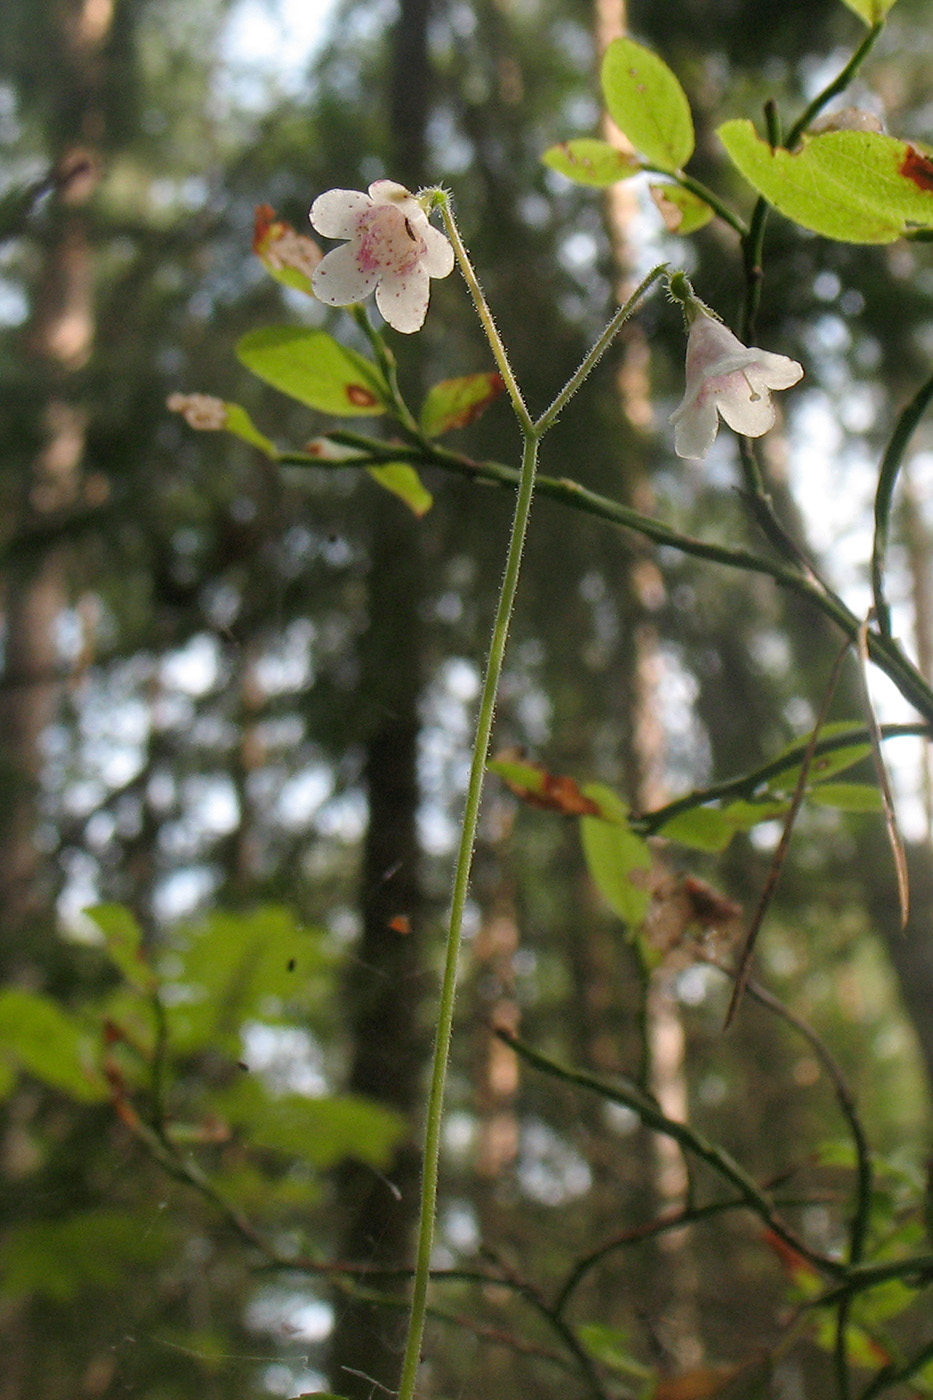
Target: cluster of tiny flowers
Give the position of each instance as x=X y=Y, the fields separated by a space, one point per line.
x=201 y=411
x=391 y=249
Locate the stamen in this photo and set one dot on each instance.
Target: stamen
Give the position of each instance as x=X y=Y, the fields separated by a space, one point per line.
x=753 y=396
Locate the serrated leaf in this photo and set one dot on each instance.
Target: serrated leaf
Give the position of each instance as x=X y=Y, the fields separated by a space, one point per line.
x=50 y=1044
x=616 y=856
x=683 y=211
x=854 y=186
x=123 y=938
x=648 y=104
x=589 y=161
x=871 y=11
x=242 y=426
x=703 y=828
x=403 y=481
x=848 y=797
x=315 y=369
x=58 y=1259
x=453 y=403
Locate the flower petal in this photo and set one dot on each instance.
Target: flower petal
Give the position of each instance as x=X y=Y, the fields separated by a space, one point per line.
x=388 y=192
x=335 y=213
x=695 y=427
x=403 y=298
x=340 y=279
x=774 y=371
x=438 y=260
x=748 y=413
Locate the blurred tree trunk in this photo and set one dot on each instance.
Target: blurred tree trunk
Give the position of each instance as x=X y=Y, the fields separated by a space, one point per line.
x=59 y=337
x=386 y=983
x=644 y=758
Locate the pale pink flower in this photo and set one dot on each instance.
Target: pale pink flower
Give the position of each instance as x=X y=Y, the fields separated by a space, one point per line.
x=726 y=379
x=201 y=411
x=392 y=248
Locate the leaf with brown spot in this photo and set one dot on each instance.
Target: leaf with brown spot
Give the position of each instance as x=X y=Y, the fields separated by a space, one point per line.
x=540 y=788
x=918 y=167
x=454 y=403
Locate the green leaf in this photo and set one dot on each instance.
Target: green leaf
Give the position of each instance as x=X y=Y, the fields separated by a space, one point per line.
x=124 y=941
x=453 y=403
x=58 y=1259
x=242 y=426
x=592 y=162
x=313 y=368
x=49 y=1043
x=612 y=1346
x=855 y=186
x=556 y=792
x=647 y=103
x=743 y=816
x=614 y=854
x=682 y=211
x=703 y=828
x=824 y=765
x=321 y=1131
x=871 y=11
x=403 y=481
x=848 y=797
x=236 y=967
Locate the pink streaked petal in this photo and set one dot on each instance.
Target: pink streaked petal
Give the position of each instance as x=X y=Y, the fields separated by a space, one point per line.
x=339 y=279
x=696 y=426
x=403 y=299
x=438 y=260
x=336 y=213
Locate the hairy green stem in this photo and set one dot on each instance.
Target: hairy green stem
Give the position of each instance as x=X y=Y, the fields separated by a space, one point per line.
x=432 y=1146
x=593 y=357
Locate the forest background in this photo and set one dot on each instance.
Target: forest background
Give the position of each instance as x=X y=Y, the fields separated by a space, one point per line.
x=236 y=711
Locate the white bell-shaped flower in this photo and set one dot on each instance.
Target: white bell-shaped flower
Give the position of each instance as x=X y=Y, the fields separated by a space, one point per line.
x=728 y=380
x=391 y=248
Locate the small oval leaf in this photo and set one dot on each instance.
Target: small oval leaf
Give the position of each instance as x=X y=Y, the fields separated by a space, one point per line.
x=648 y=104
x=453 y=403
x=403 y=481
x=592 y=162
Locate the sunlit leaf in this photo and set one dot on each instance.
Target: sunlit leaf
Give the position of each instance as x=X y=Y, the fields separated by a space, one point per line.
x=618 y=860
x=647 y=103
x=46 y=1041
x=855 y=186
x=591 y=162
x=315 y=369
x=403 y=481
x=743 y=816
x=454 y=403
x=682 y=210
